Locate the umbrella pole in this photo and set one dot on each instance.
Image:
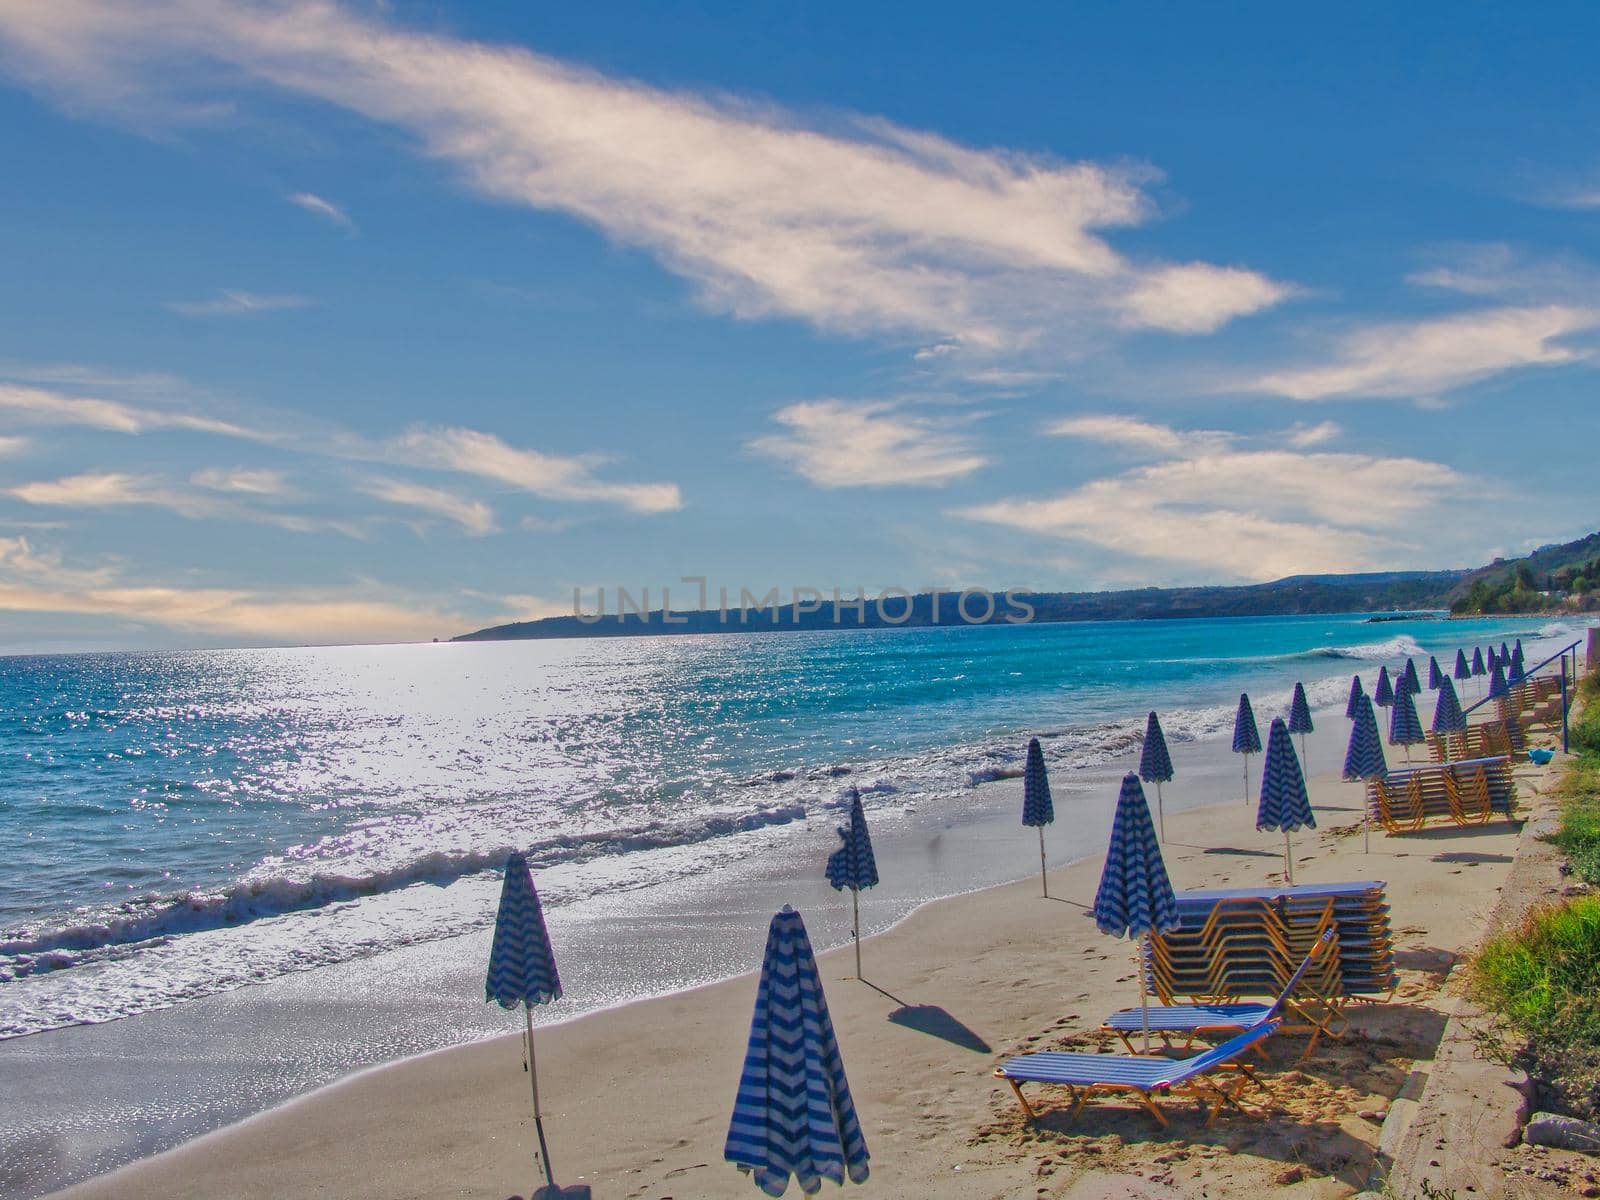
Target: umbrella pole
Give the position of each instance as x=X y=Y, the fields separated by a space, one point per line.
x=1247 y=777
x=1288 y=860
x=538 y=1116
x=855 y=920
x=1044 y=880
x=1303 y=754
x=1144 y=997
x=1161 y=811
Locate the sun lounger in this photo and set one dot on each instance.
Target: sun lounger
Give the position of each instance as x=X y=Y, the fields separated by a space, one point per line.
x=1205 y=1077
x=1465 y=792
x=1208 y=1020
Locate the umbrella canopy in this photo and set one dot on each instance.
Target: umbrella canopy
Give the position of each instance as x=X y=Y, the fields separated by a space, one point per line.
x=1494 y=657
x=522 y=967
x=1285 y=803
x=1036 y=807
x=852 y=865
x=1155 y=763
x=1447 y=714
x=1363 y=759
x=1135 y=896
x=1463 y=668
x=1405 y=727
x=1246 y=737
x=1408 y=678
x=1505 y=653
x=1497 y=680
x=1356 y=693
x=1477 y=661
x=1435 y=676
x=1383 y=693
x=1517 y=663
x=1300 y=711
x=793 y=1115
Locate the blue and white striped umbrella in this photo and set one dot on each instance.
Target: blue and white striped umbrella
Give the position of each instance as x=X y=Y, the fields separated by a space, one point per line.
x=1135 y=897
x=1383 y=693
x=1300 y=716
x=1448 y=717
x=522 y=969
x=1246 y=738
x=1463 y=668
x=1505 y=653
x=853 y=866
x=1408 y=678
x=1363 y=758
x=1155 y=766
x=1517 y=663
x=1494 y=657
x=1405 y=727
x=1497 y=680
x=1285 y=803
x=1435 y=675
x=1477 y=661
x=1356 y=692
x=1037 y=810
x=793 y=1116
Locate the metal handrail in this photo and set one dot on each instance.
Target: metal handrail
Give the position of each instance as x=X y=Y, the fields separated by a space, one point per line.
x=1527 y=674
x=1566 y=683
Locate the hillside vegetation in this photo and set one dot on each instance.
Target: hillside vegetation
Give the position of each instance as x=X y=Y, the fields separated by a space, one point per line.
x=1553 y=578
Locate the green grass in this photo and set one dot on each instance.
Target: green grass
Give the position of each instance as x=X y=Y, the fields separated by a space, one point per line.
x=1541 y=981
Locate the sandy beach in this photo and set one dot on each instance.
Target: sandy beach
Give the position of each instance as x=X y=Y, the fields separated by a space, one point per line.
x=638 y=1097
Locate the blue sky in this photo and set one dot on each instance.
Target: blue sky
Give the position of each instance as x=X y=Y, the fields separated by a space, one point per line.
x=345 y=321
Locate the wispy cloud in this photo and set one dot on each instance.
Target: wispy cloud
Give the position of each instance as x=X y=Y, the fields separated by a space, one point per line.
x=1254 y=513
x=46 y=406
x=1422 y=358
x=555 y=477
x=248 y=481
x=118 y=489
x=474 y=516
x=319 y=207
x=862 y=227
x=836 y=443
x=1129 y=432
x=1303 y=437
x=236 y=304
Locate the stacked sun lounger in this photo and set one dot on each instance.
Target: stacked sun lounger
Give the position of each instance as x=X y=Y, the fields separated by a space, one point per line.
x=1239 y=942
x=1465 y=792
x=1487 y=740
x=1534 y=701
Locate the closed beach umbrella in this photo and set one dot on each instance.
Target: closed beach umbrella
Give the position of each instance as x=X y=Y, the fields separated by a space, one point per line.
x=1497 y=680
x=1284 y=803
x=1405 y=727
x=793 y=1115
x=1408 y=678
x=1435 y=676
x=1135 y=897
x=1463 y=668
x=1036 y=807
x=1246 y=738
x=1517 y=663
x=1477 y=661
x=1300 y=716
x=1356 y=693
x=1448 y=717
x=1494 y=657
x=1155 y=765
x=852 y=866
x=1383 y=693
x=1363 y=758
x=1505 y=653
x=522 y=969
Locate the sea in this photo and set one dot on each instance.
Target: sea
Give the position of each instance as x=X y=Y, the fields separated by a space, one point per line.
x=179 y=824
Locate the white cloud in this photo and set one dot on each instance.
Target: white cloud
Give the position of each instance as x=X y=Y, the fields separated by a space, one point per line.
x=1303 y=437
x=474 y=516
x=319 y=207
x=248 y=481
x=1119 y=431
x=236 y=304
x=834 y=444
x=1255 y=514
x=117 y=489
x=1421 y=358
x=863 y=227
x=471 y=452
x=45 y=406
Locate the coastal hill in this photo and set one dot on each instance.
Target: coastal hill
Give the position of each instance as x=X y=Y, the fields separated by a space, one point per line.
x=1541 y=582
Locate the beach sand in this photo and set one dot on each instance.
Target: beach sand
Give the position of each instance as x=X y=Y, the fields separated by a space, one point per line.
x=637 y=1098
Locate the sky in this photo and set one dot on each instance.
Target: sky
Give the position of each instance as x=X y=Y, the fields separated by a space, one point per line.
x=347 y=321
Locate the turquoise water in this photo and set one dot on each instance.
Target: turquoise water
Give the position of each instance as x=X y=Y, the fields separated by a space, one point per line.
x=177 y=824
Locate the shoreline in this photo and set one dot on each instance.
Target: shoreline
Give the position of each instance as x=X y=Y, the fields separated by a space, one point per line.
x=1006 y=991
